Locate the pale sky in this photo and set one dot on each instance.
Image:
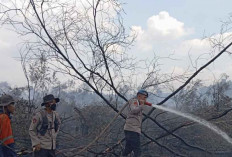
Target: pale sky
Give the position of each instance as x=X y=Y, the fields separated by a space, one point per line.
x=163 y=27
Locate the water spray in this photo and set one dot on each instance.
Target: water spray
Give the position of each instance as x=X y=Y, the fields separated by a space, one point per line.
x=195 y=119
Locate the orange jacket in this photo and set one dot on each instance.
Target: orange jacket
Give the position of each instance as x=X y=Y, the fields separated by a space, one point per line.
x=6 y=135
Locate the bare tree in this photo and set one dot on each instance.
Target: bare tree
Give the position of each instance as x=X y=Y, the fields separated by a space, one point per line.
x=87 y=41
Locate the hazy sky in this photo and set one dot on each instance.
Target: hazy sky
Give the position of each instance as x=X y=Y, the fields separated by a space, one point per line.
x=199 y=15
x=178 y=26
x=163 y=27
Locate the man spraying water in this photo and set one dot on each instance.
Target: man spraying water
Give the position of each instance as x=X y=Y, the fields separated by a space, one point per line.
x=132 y=127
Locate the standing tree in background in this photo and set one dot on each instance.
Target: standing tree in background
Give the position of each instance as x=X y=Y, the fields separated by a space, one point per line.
x=86 y=40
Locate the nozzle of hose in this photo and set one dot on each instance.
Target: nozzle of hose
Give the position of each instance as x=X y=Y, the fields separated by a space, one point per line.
x=148 y=104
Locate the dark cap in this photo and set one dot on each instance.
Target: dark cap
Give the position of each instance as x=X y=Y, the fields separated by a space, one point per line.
x=6 y=100
x=49 y=98
x=143 y=92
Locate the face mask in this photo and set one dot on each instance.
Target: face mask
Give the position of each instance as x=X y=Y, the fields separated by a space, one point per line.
x=53 y=107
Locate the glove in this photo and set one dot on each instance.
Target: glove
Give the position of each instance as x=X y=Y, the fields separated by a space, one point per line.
x=148 y=104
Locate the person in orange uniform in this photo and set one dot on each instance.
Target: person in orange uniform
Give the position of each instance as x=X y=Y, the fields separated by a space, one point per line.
x=6 y=136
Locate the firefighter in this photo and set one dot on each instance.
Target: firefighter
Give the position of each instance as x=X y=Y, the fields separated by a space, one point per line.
x=132 y=127
x=6 y=136
x=44 y=128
